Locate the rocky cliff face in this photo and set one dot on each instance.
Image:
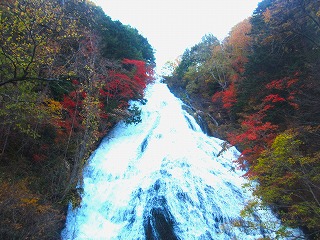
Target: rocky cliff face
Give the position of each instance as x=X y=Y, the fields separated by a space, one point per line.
x=213 y=120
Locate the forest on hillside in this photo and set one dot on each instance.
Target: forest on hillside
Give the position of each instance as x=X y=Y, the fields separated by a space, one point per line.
x=67 y=73
x=259 y=90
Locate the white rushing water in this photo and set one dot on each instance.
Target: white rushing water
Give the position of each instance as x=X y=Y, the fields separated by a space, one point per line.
x=161 y=179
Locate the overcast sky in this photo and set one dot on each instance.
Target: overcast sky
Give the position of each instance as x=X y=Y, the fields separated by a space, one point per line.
x=171 y=26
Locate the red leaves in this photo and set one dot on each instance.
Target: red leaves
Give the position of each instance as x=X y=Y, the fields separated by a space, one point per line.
x=72 y=105
x=273 y=98
x=67 y=102
x=216 y=97
x=253 y=129
x=228 y=97
x=254 y=136
x=256 y=133
x=75 y=82
x=276 y=84
x=258 y=129
x=98 y=97
x=89 y=46
x=282 y=84
x=143 y=73
x=126 y=84
x=38 y=157
x=287 y=87
x=117 y=85
x=105 y=93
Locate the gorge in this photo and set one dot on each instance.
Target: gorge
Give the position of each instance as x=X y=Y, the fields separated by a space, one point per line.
x=163 y=179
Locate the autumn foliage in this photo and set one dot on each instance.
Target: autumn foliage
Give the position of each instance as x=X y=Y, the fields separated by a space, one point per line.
x=228 y=97
x=61 y=91
x=25 y=215
x=260 y=84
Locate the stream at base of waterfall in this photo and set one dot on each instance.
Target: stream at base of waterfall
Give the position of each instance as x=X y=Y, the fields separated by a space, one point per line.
x=162 y=179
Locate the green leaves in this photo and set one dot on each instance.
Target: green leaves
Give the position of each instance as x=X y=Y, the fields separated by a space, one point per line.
x=263 y=84
x=134 y=115
x=59 y=96
x=288 y=180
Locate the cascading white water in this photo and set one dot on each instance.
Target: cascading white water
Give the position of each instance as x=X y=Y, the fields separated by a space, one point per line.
x=161 y=179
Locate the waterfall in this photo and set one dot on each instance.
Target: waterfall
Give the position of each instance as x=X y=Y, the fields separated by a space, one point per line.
x=162 y=179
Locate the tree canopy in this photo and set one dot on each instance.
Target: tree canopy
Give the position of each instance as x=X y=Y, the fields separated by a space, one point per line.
x=264 y=89
x=67 y=73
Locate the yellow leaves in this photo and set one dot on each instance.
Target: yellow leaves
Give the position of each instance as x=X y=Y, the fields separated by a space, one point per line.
x=27 y=129
x=285 y=144
x=30 y=35
x=29 y=201
x=53 y=107
x=22 y=212
x=88 y=68
x=33 y=202
x=283 y=154
x=289 y=178
x=24 y=108
x=249 y=209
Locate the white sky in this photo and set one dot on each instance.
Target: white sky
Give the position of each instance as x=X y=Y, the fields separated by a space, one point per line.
x=171 y=26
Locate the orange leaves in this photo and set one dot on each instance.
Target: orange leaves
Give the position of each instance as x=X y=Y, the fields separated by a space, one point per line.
x=239 y=38
x=238 y=64
x=53 y=106
x=267 y=15
x=233 y=57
